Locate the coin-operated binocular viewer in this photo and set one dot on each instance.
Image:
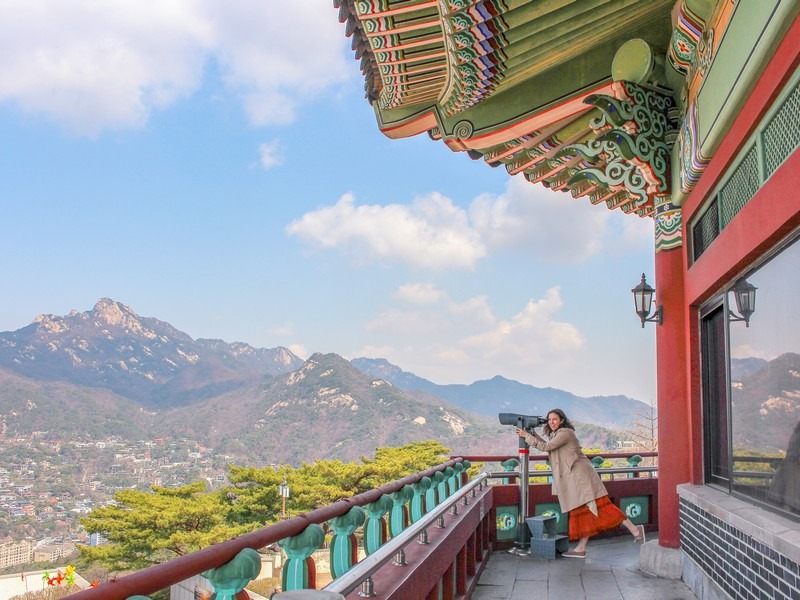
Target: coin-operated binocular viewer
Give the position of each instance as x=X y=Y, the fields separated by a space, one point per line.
x=528 y=423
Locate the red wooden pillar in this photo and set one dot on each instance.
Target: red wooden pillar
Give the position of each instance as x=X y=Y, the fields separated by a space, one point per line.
x=448 y=589
x=672 y=364
x=461 y=571
x=434 y=593
x=472 y=553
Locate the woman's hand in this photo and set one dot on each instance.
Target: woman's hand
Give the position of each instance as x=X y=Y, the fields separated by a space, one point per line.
x=520 y=432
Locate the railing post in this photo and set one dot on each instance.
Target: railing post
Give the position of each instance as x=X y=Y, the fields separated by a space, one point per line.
x=232 y=577
x=398 y=520
x=375 y=534
x=367 y=588
x=344 y=547
x=400 y=558
x=299 y=571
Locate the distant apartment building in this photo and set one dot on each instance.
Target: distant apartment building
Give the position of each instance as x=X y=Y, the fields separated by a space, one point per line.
x=97 y=539
x=52 y=553
x=15 y=553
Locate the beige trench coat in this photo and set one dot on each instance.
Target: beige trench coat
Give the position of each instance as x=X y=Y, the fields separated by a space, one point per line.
x=575 y=480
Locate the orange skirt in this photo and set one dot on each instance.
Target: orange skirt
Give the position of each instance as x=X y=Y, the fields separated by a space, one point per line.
x=582 y=523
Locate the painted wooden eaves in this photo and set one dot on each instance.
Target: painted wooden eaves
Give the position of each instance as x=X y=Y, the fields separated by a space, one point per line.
x=461 y=70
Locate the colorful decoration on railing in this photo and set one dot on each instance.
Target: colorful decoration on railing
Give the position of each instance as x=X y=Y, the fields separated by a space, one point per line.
x=375 y=529
x=232 y=577
x=506 y=522
x=299 y=571
x=631 y=152
x=344 y=544
x=398 y=520
x=418 y=506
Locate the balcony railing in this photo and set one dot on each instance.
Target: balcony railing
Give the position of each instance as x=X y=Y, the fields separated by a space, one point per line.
x=425 y=535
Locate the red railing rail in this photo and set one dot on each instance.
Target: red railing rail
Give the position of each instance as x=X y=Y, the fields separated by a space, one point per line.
x=158 y=577
x=543 y=457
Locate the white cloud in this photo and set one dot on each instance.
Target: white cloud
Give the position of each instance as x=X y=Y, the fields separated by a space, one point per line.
x=299 y=350
x=278 y=54
x=91 y=66
x=749 y=351
x=553 y=226
x=270 y=154
x=435 y=233
x=446 y=338
x=419 y=293
x=531 y=337
x=431 y=232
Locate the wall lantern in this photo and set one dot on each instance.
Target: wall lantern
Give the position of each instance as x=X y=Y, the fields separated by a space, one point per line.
x=744 y=293
x=643 y=299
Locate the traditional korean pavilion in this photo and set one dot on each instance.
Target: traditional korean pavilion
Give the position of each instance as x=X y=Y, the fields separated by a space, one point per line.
x=686 y=113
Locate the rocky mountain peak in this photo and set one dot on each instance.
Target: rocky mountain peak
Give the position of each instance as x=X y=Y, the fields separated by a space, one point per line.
x=141 y=358
x=115 y=313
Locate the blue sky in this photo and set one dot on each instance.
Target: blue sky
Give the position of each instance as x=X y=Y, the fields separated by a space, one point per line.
x=218 y=168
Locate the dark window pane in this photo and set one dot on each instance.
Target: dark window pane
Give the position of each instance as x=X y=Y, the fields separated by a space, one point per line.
x=715 y=398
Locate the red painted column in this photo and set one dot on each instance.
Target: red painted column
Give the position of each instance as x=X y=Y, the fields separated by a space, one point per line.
x=674 y=430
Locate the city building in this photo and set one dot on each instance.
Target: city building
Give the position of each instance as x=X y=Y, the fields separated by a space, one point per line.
x=15 y=553
x=52 y=553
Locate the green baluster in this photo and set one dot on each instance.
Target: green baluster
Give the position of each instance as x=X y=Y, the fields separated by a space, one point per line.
x=398 y=519
x=375 y=534
x=418 y=505
x=633 y=461
x=442 y=488
x=232 y=577
x=431 y=496
x=344 y=546
x=509 y=465
x=454 y=481
x=299 y=571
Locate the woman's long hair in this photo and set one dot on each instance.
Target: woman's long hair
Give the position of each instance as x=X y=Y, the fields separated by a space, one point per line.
x=565 y=422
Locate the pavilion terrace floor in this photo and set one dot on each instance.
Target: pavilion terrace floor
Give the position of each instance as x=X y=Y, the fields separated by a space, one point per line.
x=610 y=571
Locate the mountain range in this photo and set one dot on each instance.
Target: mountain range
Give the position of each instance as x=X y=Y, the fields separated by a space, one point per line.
x=109 y=371
x=498 y=394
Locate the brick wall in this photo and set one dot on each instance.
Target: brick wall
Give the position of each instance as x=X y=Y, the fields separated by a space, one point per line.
x=740 y=564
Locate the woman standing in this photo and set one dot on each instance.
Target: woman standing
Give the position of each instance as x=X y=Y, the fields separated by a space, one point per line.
x=580 y=491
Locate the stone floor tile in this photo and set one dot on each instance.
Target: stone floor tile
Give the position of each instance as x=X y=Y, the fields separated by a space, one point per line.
x=610 y=572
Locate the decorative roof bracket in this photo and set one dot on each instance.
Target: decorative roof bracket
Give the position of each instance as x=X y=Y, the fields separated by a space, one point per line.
x=635 y=132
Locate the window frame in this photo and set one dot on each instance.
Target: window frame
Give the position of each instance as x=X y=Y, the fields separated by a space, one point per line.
x=720 y=304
